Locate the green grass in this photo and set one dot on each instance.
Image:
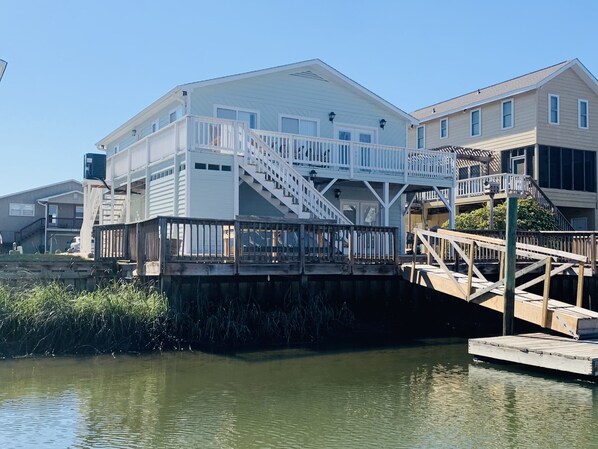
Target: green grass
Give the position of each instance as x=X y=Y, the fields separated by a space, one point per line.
x=53 y=319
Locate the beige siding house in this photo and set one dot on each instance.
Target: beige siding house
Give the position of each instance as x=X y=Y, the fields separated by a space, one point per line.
x=543 y=125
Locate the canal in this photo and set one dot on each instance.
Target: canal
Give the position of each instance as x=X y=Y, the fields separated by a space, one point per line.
x=426 y=394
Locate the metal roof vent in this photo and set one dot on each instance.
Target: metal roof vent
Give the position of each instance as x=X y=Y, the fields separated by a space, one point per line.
x=309 y=74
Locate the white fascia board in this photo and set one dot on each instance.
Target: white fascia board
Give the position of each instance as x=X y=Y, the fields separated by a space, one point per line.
x=145 y=114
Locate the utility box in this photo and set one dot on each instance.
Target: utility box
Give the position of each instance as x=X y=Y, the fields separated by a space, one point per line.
x=94 y=166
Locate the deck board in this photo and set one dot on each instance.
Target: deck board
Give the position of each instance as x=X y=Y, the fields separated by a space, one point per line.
x=541 y=350
x=562 y=317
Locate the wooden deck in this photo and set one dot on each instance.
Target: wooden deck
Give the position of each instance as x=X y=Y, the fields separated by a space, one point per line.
x=541 y=350
x=574 y=321
x=175 y=246
x=561 y=317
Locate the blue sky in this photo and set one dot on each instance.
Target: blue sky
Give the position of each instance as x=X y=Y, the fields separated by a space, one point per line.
x=78 y=69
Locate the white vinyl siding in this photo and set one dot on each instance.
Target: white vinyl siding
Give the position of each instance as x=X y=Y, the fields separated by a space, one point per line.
x=444 y=128
x=507 y=120
x=161 y=193
x=421 y=137
x=553 y=109
x=475 y=123
x=583 y=121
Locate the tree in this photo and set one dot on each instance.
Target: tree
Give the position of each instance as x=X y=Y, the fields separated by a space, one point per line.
x=530 y=217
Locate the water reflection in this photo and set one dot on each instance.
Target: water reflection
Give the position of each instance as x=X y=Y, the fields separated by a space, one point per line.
x=421 y=396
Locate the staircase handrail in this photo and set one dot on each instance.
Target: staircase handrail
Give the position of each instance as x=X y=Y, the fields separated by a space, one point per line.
x=542 y=199
x=30 y=229
x=291 y=181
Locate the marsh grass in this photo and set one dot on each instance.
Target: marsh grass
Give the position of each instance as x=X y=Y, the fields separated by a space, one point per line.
x=54 y=319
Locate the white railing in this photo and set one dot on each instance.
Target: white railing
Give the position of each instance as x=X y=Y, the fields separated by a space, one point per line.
x=476 y=186
x=359 y=157
x=345 y=157
x=275 y=168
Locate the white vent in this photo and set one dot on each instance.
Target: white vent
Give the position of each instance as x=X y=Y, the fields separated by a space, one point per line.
x=309 y=74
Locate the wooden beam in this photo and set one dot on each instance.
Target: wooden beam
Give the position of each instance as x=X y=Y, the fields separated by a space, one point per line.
x=510 y=265
x=546 y=293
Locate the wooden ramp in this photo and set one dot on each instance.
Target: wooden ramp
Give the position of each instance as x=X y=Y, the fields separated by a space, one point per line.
x=571 y=320
x=541 y=350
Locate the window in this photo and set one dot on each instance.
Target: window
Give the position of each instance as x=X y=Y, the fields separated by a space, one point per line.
x=297 y=125
x=21 y=210
x=421 y=137
x=568 y=169
x=583 y=114
x=553 y=109
x=472 y=171
x=476 y=125
x=79 y=212
x=507 y=114
x=444 y=128
x=155 y=126
x=229 y=113
x=172 y=117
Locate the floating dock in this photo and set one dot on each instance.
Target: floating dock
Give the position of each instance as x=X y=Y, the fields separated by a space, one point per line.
x=542 y=351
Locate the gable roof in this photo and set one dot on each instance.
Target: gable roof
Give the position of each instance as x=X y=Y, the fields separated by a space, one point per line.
x=514 y=86
x=312 y=68
x=43 y=187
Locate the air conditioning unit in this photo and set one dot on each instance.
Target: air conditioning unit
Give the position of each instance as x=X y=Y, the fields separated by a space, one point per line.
x=94 y=166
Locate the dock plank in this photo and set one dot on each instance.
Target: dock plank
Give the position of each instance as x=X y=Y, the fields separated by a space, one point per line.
x=541 y=350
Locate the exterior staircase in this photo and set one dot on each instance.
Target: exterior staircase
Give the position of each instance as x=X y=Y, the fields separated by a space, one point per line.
x=534 y=191
x=281 y=185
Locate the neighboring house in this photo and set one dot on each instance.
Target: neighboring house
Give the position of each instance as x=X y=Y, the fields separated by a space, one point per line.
x=296 y=141
x=542 y=125
x=43 y=219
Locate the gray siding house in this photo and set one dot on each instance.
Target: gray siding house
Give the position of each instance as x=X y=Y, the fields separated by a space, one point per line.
x=295 y=141
x=42 y=219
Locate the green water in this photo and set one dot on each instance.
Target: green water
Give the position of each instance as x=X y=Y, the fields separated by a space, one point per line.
x=428 y=395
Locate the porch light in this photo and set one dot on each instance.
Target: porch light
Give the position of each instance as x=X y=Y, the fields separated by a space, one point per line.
x=331 y=116
x=382 y=123
x=337 y=193
x=133 y=132
x=312 y=175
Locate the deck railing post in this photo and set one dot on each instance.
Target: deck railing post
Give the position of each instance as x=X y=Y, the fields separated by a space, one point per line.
x=162 y=225
x=395 y=250
x=238 y=245
x=97 y=235
x=302 y=248
x=593 y=253
x=546 y=293
x=470 y=270
x=510 y=267
x=413 y=262
x=581 y=269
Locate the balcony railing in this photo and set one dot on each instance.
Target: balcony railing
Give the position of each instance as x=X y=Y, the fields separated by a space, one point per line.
x=346 y=157
x=64 y=223
x=473 y=187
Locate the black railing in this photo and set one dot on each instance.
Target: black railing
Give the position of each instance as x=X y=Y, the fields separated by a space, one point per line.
x=30 y=230
x=64 y=223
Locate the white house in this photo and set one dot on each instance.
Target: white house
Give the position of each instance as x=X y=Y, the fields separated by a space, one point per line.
x=297 y=141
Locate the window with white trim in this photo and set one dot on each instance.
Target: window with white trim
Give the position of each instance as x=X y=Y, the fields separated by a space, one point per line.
x=21 y=210
x=172 y=117
x=475 y=127
x=421 y=137
x=582 y=107
x=553 y=109
x=507 y=114
x=229 y=113
x=297 y=125
x=155 y=125
x=444 y=128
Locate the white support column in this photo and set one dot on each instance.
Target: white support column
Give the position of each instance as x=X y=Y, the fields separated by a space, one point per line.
x=402 y=227
x=236 y=184
x=147 y=178
x=175 y=163
x=189 y=144
x=127 y=216
x=453 y=208
x=386 y=195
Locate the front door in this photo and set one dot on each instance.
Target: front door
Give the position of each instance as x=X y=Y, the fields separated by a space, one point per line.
x=358 y=135
x=364 y=213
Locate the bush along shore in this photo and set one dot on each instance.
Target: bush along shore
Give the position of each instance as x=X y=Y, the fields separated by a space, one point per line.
x=53 y=319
